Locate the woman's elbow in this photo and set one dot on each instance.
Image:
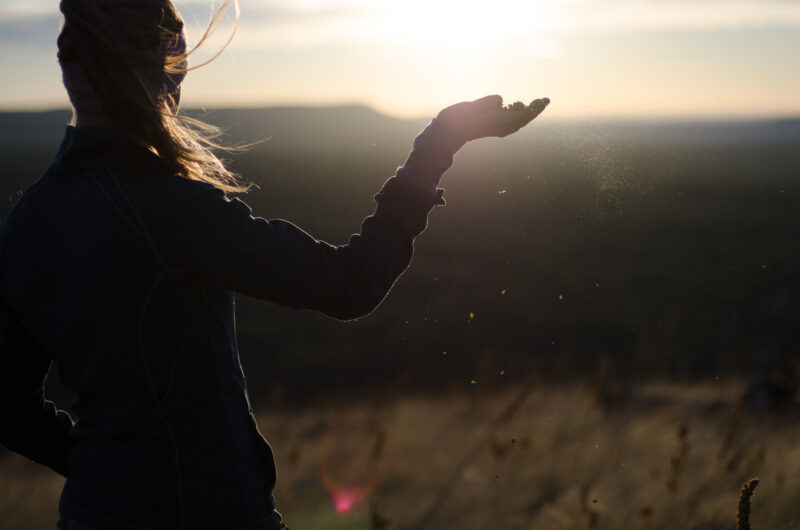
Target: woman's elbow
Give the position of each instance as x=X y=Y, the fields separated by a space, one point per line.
x=357 y=302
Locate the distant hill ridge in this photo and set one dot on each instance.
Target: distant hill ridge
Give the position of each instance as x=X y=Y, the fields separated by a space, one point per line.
x=291 y=128
x=357 y=127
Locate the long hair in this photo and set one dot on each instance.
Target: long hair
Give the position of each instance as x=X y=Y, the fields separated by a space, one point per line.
x=125 y=47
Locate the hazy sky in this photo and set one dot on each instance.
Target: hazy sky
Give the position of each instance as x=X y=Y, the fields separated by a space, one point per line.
x=411 y=57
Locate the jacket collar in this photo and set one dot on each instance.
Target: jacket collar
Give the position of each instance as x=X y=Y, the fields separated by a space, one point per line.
x=90 y=147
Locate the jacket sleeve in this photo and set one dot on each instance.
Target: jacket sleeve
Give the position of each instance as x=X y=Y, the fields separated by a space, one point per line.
x=29 y=424
x=275 y=260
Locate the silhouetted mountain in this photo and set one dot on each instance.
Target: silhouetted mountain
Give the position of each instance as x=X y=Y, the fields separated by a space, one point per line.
x=33 y=130
x=357 y=127
x=319 y=128
x=287 y=128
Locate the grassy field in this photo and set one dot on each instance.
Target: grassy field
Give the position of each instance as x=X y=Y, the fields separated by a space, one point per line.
x=533 y=456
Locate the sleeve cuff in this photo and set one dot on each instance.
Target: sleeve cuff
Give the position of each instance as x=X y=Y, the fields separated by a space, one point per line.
x=402 y=187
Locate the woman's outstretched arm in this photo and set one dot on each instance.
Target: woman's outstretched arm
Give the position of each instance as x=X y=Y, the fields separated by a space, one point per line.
x=277 y=261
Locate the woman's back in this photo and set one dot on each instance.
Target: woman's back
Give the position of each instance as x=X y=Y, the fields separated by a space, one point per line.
x=165 y=431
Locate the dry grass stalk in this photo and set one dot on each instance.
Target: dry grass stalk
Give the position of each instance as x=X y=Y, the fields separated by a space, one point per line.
x=743 y=508
x=499 y=449
x=733 y=425
x=646 y=517
x=379 y=447
x=506 y=415
x=678 y=462
x=377 y=521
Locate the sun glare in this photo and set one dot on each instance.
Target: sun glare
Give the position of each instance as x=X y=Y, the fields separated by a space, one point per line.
x=463 y=29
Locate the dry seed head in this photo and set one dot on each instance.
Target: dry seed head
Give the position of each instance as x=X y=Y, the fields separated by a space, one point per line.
x=743 y=509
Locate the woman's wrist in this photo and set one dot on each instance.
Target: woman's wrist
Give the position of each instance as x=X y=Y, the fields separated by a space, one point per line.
x=438 y=138
x=431 y=155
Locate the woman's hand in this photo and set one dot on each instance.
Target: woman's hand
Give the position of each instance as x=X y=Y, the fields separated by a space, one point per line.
x=485 y=117
x=435 y=147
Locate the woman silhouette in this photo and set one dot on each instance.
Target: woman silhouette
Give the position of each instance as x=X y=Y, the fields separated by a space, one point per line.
x=120 y=262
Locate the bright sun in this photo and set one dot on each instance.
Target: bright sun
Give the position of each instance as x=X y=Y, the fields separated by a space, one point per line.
x=455 y=27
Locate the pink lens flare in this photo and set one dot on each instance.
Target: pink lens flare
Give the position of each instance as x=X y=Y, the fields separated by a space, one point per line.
x=344 y=499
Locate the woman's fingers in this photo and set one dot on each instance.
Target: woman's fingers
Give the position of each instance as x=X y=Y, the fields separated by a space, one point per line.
x=537 y=106
x=527 y=115
x=508 y=120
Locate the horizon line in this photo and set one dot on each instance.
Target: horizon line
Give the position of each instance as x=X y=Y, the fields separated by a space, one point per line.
x=774 y=116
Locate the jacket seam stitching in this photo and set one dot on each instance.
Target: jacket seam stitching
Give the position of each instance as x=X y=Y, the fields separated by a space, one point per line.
x=142 y=227
x=177 y=358
x=154 y=394
x=116 y=206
